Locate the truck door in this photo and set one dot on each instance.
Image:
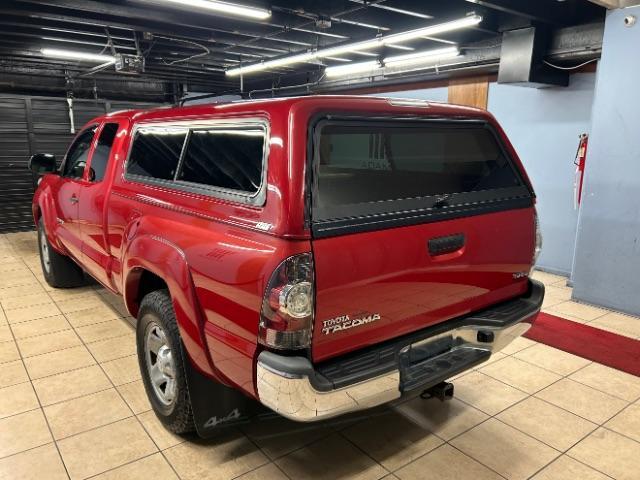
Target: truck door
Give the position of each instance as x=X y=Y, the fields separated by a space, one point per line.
x=94 y=195
x=67 y=191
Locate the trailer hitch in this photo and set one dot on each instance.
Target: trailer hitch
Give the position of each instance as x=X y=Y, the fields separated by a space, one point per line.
x=442 y=391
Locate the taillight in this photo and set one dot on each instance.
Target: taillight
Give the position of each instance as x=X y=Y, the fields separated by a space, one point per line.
x=538 y=246
x=286 y=320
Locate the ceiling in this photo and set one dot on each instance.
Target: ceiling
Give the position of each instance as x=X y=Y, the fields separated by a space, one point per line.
x=194 y=48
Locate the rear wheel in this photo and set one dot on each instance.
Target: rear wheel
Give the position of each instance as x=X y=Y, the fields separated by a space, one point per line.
x=58 y=270
x=160 y=357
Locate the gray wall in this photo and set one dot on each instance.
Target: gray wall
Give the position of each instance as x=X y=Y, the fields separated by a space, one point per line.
x=607 y=261
x=543 y=125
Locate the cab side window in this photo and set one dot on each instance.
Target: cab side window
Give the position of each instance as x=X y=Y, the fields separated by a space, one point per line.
x=76 y=158
x=100 y=157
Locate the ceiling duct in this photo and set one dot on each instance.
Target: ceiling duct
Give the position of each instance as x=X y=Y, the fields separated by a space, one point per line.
x=522 y=59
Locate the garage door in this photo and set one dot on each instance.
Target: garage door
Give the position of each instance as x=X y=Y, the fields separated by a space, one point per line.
x=30 y=125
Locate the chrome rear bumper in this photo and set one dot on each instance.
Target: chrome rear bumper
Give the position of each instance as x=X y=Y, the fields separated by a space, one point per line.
x=293 y=388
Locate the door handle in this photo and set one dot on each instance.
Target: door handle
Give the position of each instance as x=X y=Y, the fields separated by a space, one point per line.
x=447 y=244
x=73 y=199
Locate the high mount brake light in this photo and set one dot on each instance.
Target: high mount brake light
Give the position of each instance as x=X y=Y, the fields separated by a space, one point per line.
x=286 y=320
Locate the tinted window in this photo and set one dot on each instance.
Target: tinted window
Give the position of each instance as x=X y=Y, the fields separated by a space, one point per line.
x=101 y=154
x=76 y=157
x=230 y=159
x=156 y=151
x=378 y=162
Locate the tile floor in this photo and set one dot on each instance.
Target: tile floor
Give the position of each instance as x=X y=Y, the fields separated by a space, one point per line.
x=72 y=406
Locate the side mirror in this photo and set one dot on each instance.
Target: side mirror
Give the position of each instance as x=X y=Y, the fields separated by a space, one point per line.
x=78 y=170
x=42 y=163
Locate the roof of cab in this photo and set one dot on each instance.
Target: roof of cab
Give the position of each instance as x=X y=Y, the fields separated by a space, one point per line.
x=285 y=103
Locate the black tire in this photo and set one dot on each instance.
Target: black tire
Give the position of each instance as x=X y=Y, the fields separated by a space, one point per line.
x=59 y=270
x=156 y=309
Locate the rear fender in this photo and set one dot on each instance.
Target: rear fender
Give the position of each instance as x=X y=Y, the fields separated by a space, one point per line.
x=167 y=261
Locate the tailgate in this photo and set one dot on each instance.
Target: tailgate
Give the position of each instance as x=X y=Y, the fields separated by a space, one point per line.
x=414 y=223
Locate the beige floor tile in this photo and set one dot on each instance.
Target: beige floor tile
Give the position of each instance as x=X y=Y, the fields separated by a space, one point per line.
x=392 y=439
x=330 y=458
x=485 y=393
x=445 y=419
x=79 y=303
x=17 y=280
x=225 y=457
x=582 y=400
x=58 y=362
x=619 y=323
x=579 y=310
x=104 y=448
x=162 y=437
x=39 y=463
x=610 y=453
x=153 y=467
x=552 y=359
x=12 y=373
x=113 y=348
x=3 y=318
x=49 y=342
x=8 y=352
x=16 y=266
x=22 y=432
x=104 y=330
x=13 y=292
x=562 y=293
x=446 y=463
x=17 y=399
x=123 y=370
x=269 y=471
x=549 y=424
x=72 y=384
x=40 y=326
x=84 y=413
x=521 y=375
x=566 y=468
x=492 y=359
x=62 y=294
x=518 y=344
x=91 y=316
x=627 y=422
x=5 y=334
x=29 y=300
x=32 y=313
x=276 y=436
x=135 y=396
x=547 y=278
x=505 y=450
x=609 y=380
x=550 y=301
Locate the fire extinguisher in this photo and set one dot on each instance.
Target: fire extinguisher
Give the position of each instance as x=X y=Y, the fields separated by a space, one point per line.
x=581 y=158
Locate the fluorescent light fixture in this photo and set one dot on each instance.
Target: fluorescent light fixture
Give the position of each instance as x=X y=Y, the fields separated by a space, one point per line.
x=75 y=55
x=421 y=57
x=416 y=58
x=358 y=46
x=222 y=7
x=359 y=67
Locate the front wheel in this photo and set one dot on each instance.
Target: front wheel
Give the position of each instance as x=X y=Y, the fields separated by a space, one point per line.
x=160 y=357
x=59 y=270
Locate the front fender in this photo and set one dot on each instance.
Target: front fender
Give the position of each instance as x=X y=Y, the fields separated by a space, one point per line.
x=44 y=207
x=167 y=261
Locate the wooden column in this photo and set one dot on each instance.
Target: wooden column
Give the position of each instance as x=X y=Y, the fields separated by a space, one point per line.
x=471 y=91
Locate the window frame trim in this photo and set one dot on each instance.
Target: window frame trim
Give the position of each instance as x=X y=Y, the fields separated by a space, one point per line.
x=257 y=198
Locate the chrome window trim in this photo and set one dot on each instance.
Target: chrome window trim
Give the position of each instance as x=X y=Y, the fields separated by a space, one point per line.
x=257 y=198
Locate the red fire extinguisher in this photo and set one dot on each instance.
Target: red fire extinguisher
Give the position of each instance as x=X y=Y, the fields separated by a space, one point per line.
x=581 y=158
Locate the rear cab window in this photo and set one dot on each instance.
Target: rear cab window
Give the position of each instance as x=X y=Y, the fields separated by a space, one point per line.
x=371 y=174
x=223 y=160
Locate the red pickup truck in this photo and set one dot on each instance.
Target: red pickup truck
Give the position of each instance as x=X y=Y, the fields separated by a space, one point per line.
x=321 y=254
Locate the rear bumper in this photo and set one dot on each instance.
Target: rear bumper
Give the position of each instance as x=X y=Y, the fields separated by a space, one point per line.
x=292 y=387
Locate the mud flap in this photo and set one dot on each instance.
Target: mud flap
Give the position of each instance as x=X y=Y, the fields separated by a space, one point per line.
x=217 y=407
